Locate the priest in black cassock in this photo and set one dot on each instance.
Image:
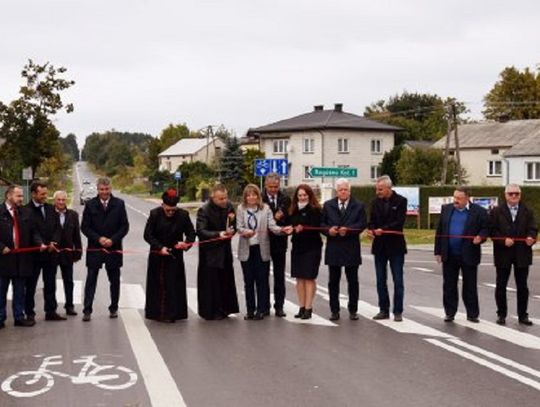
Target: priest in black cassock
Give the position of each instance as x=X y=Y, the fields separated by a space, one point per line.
x=216 y=224
x=169 y=231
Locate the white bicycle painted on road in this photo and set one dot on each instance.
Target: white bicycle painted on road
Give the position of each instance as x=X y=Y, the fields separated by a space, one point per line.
x=31 y=383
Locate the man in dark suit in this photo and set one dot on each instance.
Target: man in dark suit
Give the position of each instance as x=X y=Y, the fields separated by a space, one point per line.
x=345 y=219
x=46 y=221
x=509 y=221
x=17 y=231
x=388 y=213
x=69 y=245
x=462 y=228
x=105 y=224
x=279 y=202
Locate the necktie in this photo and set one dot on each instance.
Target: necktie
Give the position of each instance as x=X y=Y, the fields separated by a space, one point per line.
x=104 y=205
x=513 y=211
x=16 y=231
x=273 y=202
x=42 y=209
x=342 y=208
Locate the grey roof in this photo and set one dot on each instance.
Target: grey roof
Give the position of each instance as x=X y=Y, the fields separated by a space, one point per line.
x=418 y=144
x=493 y=134
x=323 y=120
x=529 y=146
x=186 y=146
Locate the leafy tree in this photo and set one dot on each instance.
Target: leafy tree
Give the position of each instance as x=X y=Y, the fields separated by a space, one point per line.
x=423 y=167
x=231 y=166
x=193 y=175
x=515 y=96
x=250 y=155
x=389 y=163
x=172 y=134
x=70 y=147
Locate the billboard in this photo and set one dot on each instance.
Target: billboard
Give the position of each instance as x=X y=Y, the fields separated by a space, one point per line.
x=413 y=198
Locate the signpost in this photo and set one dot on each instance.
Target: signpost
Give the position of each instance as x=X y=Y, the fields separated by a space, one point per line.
x=265 y=166
x=177 y=177
x=334 y=172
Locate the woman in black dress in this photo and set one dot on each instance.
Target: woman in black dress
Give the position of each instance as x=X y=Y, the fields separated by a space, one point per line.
x=305 y=210
x=166 y=228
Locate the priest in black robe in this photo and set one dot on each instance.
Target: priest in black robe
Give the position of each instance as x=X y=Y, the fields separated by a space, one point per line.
x=216 y=287
x=169 y=231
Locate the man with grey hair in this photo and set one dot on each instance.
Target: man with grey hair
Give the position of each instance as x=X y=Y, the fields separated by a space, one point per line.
x=514 y=231
x=105 y=224
x=388 y=214
x=345 y=218
x=69 y=245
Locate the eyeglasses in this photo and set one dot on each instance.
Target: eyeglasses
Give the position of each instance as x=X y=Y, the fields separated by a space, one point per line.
x=513 y=193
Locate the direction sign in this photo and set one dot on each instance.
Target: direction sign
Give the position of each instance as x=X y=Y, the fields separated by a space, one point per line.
x=178 y=175
x=27 y=173
x=334 y=172
x=265 y=166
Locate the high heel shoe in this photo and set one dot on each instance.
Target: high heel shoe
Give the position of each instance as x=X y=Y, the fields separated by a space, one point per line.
x=307 y=313
x=300 y=312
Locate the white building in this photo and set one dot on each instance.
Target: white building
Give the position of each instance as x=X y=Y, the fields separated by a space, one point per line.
x=327 y=138
x=494 y=153
x=189 y=150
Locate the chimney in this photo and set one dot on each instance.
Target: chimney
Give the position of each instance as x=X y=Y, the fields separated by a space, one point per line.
x=338 y=107
x=318 y=108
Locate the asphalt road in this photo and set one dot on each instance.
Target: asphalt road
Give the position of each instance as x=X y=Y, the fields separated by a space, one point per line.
x=129 y=361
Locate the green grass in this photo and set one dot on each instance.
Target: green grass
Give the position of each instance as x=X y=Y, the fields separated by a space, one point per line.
x=413 y=236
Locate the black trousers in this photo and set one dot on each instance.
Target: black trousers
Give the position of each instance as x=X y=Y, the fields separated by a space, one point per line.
x=67 y=278
x=520 y=275
x=90 y=288
x=278 y=253
x=451 y=269
x=49 y=288
x=351 y=272
x=255 y=272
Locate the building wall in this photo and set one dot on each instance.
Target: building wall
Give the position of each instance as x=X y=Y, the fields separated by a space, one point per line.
x=359 y=155
x=517 y=170
x=476 y=163
x=171 y=163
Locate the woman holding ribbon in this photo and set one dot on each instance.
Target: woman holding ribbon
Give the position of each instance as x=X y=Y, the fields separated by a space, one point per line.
x=169 y=232
x=254 y=221
x=305 y=215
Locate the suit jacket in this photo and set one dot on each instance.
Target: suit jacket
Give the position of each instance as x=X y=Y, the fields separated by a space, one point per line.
x=503 y=226
x=111 y=223
x=69 y=237
x=47 y=227
x=393 y=219
x=477 y=225
x=344 y=250
x=20 y=264
x=283 y=202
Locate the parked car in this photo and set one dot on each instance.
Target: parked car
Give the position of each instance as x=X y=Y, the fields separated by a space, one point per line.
x=87 y=194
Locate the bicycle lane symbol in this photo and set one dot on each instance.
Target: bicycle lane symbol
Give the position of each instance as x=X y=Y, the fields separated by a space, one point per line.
x=31 y=383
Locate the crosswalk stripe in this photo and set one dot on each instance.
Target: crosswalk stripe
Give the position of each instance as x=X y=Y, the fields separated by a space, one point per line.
x=60 y=295
x=193 y=303
x=291 y=308
x=423 y=269
x=491 y=285
x=132 y=296
x=489 y=328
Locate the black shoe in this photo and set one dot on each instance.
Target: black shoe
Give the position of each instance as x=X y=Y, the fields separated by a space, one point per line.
x=300 y=312
x=265 y=313
x=70 y=311
x=381 y=315
x=398 y=317
x=258 y=316
x=449 y=318
x=501 y=321
x=280 y=313
x=113 y=314
x=2 y=325
x=31 y=318
x=53 y=316
x=307 y=313
x=473 y=319
x=525 y=321
x=24 y=322
x=353 y=316
x=334 y=316
x=86 y=317
x=249 y=316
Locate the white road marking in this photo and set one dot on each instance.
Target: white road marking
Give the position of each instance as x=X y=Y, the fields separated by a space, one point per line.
x=161 y=387
x=136 y=210
x=536 y=296
x=193 y=304
x=422 y=269
x=485 y=363
x=291 y=308
x=60 y=296
x=132 y=296
x=501 y=332
x=534 y=320
x=512 y=290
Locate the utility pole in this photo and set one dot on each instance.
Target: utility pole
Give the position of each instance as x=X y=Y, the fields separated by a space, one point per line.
x=446 y=149
x=209 y=132
x=456 y=141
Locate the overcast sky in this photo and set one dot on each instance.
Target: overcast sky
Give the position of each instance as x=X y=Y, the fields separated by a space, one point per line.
x=140 y=65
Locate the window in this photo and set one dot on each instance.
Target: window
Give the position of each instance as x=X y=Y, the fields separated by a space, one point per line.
x=533 y=171
x=494 y=168
x=280 y=146
x=375 y=172
x=308 y=146
x=307 y=172
x=494 y=151
x=376 y=146
x=343 y=145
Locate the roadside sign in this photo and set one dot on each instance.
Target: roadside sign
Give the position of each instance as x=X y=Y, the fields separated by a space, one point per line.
x=334 y=172
x=27 y=173
x=178 y=175
x=265 y=166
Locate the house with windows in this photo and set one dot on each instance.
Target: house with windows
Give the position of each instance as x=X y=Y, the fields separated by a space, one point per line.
x=494 y=153
x=326 y=138
x=203 y=149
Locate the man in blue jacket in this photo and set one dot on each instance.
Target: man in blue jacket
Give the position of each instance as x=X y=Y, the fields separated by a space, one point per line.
x=105 y=224
x=345 y=219
x=463 y=227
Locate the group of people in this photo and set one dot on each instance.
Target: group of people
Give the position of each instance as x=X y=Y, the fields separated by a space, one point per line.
x=40 y=237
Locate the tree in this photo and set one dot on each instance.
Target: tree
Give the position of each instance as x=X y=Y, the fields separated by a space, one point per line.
x=26 y=123
x=194 y=174
x=70 y=147
x=515 y=96
x=250 y=155
x=389 y=163
x=231 y=166
x=422 y=167
x=172 y=134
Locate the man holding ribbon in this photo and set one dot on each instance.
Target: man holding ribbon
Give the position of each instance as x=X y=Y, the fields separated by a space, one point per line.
x=385 y=227
x=514 y=231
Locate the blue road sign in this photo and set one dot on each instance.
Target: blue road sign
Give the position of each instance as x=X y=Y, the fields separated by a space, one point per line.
x=266 y=166
x=178 y=175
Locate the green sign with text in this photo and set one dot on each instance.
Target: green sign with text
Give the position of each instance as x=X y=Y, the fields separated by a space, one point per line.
x=334 y=172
